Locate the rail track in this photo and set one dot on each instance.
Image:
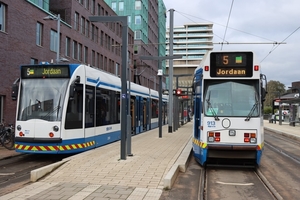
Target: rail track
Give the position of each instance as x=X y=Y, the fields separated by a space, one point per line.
x=15 y=171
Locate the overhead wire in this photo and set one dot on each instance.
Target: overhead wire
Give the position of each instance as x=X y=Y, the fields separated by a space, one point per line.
x=277 y=45
x=227 y=23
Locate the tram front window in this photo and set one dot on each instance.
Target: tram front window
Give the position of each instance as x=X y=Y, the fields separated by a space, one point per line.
x=231 y=99
x=42 y=99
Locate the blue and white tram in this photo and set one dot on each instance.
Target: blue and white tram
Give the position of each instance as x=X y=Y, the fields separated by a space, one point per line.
x=73 y=108
x=229 y=91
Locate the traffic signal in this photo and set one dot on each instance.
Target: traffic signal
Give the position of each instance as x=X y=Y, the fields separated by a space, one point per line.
x=177 y=92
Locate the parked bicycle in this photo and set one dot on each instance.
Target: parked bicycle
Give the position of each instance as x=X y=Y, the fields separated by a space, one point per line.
x=7 y=136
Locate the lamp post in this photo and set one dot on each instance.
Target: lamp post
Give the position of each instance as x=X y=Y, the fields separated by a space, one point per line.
x=124 y=95
x=56 y=18
x=160 y=74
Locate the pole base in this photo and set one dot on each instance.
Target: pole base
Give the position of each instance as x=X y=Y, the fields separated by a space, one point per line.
x=170 y=129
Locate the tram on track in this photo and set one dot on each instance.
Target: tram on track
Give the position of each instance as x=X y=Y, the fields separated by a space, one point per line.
x=71 y=108
x=229 y=91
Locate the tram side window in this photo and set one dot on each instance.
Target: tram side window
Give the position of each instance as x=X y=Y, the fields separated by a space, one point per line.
x=107 y=107
x=154 y=106
x=75 y=109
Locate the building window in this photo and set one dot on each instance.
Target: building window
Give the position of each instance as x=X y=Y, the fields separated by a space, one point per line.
x=87 y=26
x=87 y=4
x=39 y=33
x=93 y=8
x=2 y=16
x=53 y=41
x=68 y=46
x=99 y=9
x=82 y=25
x=97 y=35
x=101 y=62
x=129 y=20
x=85 y=55
x=98 y=61
x=138 y=5
x=76 y=21
x=121 y=6
x=137 y=20
x=137 y=35
x=93 y=58
x=101 y=38
x=75 y=48
x=79 y=52
x=114 y=6
x=41 y=3
x=93 y=32
x=33 y=61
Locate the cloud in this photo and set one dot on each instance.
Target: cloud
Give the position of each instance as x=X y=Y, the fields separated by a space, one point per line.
x=253 y=21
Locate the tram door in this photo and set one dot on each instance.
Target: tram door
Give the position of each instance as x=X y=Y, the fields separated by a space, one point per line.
x=89 y=130
x=141 y=115
x=133 y=114
x=197 y=108
x=146 y=115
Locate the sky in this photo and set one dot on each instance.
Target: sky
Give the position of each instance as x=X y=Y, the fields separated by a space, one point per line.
x=273 y=25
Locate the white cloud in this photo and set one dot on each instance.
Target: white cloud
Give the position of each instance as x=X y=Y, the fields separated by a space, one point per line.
x=251 y=21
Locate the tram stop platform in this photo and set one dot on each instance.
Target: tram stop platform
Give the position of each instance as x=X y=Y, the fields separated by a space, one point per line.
x=101 y=174
x=284 y=129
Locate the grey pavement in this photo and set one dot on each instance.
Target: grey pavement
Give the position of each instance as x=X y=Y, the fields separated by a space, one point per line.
x=101 y=174
x=284 y=129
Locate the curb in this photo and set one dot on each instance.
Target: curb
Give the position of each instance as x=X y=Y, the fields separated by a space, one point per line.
x=294 y=137
x=179 y=166
x=36 y=174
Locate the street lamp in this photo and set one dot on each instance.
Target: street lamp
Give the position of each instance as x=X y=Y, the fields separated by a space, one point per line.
x=125 y=119
x=57 y=18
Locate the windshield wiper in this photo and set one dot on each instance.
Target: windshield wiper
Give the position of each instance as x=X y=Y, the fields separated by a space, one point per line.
x=58 y=107
x=50 y=112
x=251 y=111
x=211 y=108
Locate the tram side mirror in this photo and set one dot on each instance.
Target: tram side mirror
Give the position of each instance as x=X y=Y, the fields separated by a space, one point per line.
x=14 y=92
x=193 y=88
x=72 y=92
x=73 y=88
x=15 y=89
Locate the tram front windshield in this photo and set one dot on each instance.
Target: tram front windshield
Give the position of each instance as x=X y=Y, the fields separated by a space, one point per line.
x=231 y=98
x=42 y=99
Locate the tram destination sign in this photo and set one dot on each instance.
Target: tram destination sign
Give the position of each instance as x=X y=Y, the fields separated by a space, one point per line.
x=45 y=71
x=231 y=64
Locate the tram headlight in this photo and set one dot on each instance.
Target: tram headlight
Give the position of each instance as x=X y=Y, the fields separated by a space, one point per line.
x=55 y=128
x=252 y=140
x=231 y=132
x=19 y=127
x=211 y=139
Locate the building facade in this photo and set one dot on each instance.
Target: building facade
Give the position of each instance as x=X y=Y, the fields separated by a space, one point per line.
x=147 y=19
x=191 y=41
x=28 y=36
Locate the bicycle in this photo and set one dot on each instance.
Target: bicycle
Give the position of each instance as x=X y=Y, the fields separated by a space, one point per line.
x=7 y=136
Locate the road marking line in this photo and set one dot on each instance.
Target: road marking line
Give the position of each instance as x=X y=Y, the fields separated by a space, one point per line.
x=5 y=174
x=244 y=184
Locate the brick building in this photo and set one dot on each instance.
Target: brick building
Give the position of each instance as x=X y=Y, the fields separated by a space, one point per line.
x=28 y=38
